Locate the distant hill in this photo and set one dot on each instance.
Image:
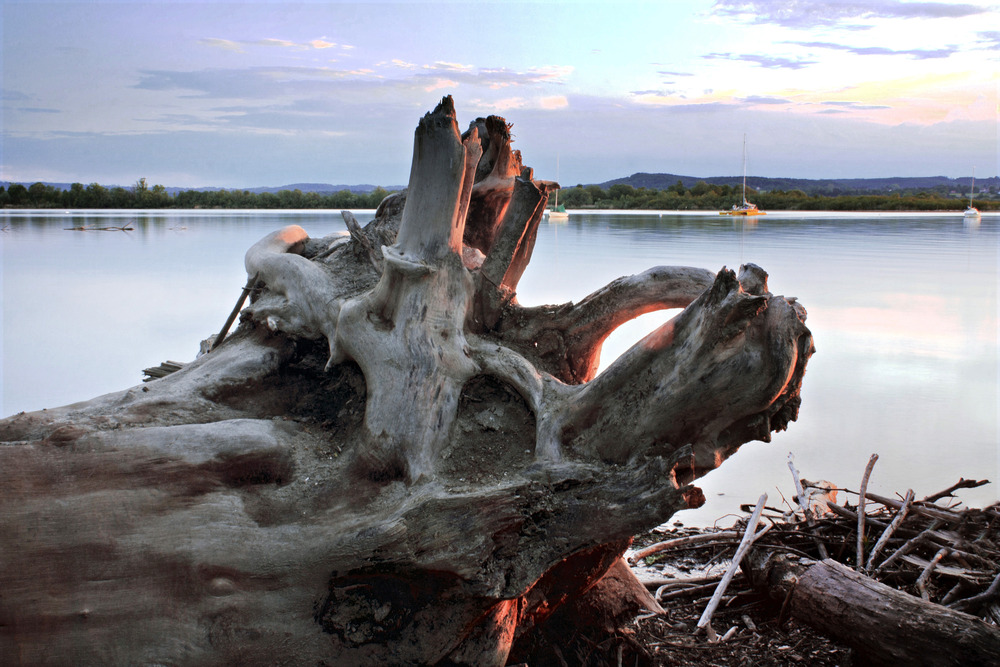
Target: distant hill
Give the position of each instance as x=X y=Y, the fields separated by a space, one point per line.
x=832 y=186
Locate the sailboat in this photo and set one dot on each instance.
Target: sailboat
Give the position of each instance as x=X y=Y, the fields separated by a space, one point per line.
x=971 y=212
x=745 y=208
x=557 y=213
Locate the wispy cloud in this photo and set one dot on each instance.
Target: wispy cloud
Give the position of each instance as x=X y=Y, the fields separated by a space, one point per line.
x=502 y=77
x=678 y=103
x=255 y=82
x=768 y=62
x=520 y=102
x=396 y=62
x=702 y=107
x=553 y=102
x=846 y=105
x=988 y=40
x=652 y=91
x=808 y=14
x=290 y=98
x=761 y=99
x=440 y=84
x=491 y=77
x=12 y=95
x=450 y=67
x=225 y=44
x=916 y=54
x=241 y=46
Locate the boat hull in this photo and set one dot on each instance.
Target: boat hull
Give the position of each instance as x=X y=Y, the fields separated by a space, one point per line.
x=742 y=212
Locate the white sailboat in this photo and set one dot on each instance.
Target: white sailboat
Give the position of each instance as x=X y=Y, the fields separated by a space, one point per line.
x=971 y=212
x=744 y=208
x=557 y=213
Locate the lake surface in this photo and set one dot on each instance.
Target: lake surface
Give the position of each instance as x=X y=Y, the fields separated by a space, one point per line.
x=903 y=309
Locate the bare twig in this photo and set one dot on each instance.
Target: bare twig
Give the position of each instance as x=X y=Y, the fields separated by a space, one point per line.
x=970 y=603
x=962 y=483
x=236 y=309
x=684 y=592
x=926 y=574
x=672 y=582
x=909 y=546
x=890 y=529
x=929 y=511
x=676 y=543
x=801 y=499
x=955 y=591
x=748 y=538
x=861 y=510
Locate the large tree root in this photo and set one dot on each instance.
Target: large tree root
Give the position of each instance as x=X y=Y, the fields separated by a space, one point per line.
x=390 y=460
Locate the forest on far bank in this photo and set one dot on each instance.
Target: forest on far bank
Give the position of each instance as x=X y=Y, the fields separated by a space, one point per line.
x=701 y=196
x=704 y=196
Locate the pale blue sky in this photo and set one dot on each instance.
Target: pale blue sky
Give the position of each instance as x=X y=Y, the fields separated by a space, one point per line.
x=238 y=94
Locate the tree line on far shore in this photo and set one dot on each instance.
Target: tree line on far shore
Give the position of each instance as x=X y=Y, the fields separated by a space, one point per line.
x=141 y=195
x=701 y=196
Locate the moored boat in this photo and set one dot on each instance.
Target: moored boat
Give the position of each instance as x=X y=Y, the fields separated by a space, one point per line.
x=971 y=212
x=557 y=213
x=744 y=208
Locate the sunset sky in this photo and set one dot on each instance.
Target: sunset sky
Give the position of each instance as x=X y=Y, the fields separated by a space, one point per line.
x=237 y=94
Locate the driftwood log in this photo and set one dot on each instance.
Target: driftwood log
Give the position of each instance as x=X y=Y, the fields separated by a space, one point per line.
x=884 y=625
x=389 y=461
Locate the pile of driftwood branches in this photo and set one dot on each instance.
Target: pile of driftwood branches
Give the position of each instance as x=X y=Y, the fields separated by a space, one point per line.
x=897 y=579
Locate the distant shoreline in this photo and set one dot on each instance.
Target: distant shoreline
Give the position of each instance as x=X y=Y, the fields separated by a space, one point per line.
x=780 y=214
x=702 y=196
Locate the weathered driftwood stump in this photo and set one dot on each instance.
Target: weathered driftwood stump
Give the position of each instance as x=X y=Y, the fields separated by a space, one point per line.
x=390 y=461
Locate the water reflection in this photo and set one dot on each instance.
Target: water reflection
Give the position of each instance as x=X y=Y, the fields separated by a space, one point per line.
x=904 y=312
x=903 y=309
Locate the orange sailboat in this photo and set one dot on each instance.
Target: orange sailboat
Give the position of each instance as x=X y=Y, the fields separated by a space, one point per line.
x=744 y=208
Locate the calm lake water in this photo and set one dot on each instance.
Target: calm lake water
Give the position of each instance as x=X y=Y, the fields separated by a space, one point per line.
x=903 y=309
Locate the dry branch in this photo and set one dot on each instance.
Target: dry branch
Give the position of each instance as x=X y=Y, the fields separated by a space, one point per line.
x=861 y=511
x=890 y=529
x=803 y=503
x=962 y=483
x=724 y=536
x=749 y=535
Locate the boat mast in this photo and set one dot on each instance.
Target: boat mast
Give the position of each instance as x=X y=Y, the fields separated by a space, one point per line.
x=744 y=169
x=972 y=188
x=555 y=206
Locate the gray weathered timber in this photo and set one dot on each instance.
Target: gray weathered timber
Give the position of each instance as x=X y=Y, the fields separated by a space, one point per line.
x=388 y=462
x=884 y=625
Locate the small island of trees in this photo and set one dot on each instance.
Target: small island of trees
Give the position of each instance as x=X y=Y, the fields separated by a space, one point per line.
x=702 y=196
